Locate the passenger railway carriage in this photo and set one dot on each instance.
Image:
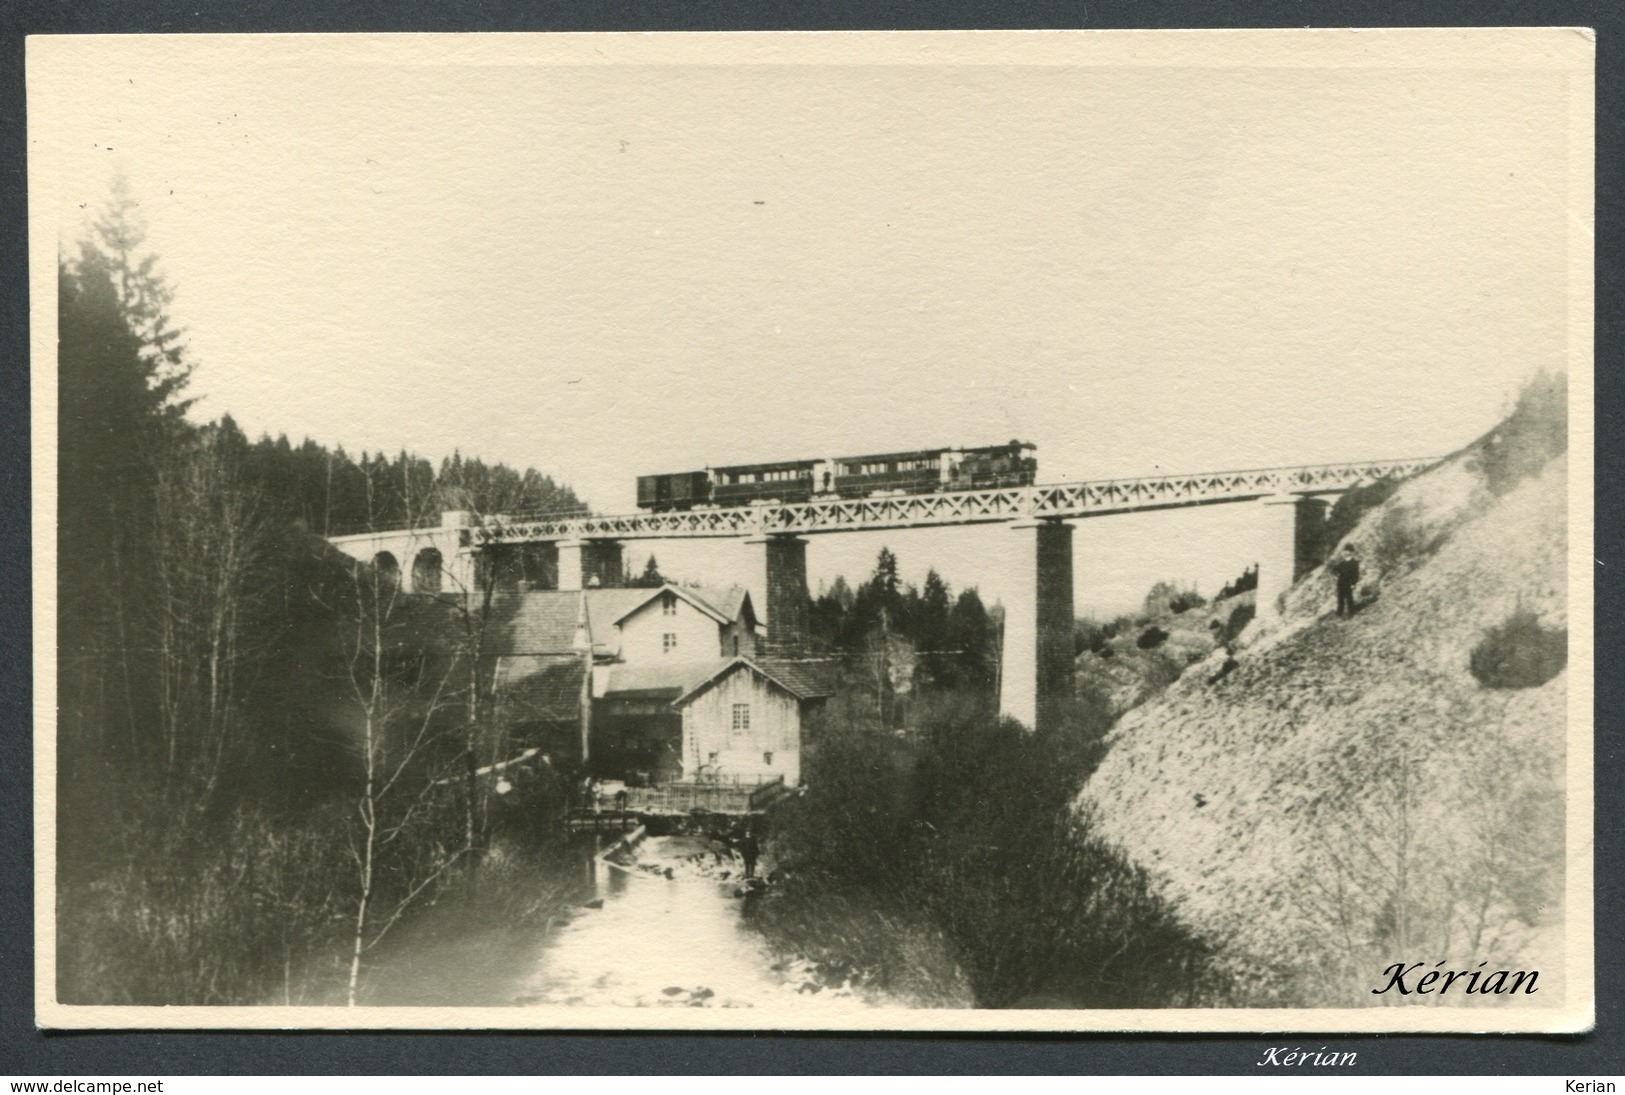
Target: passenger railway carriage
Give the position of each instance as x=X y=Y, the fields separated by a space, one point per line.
x=922 y=472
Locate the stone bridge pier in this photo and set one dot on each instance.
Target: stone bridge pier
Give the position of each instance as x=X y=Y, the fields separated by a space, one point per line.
x=585 y=564
x=1294 y=525
x=779 y=570
x=1036 y=656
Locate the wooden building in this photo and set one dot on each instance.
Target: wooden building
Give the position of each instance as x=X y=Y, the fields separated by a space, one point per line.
x=743 y=721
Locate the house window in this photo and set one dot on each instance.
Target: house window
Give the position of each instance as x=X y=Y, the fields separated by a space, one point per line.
x=741 y=721
x=668 y=642
x=668 y=604
x=767 y=758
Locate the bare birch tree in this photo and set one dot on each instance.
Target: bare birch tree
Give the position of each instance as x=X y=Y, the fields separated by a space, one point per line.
x=211 y=540
x=486 y=499
x=400 y=711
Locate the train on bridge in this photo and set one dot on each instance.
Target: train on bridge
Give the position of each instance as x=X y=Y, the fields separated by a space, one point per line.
x=923 y=471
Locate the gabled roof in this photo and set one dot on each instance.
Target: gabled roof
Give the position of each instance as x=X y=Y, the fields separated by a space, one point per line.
x=544 y=621
x=803 y=680
x=808 y=680
x=731 y=601
x=533 y=623
x=722 y=604
x=541 y=686
x=689 y=595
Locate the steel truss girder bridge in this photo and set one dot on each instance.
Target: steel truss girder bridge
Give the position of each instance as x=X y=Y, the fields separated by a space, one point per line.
x=1052 y=502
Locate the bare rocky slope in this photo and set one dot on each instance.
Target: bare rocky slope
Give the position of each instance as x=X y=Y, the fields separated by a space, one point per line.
x=1350 y=795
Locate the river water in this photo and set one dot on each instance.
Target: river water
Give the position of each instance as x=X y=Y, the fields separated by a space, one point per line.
x=663 y=928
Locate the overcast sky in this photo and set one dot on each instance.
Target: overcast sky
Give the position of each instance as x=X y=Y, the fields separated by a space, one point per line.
x=605 y=270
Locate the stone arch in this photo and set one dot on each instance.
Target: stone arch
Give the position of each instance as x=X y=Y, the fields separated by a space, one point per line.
x=427 y=569
x=388 y=567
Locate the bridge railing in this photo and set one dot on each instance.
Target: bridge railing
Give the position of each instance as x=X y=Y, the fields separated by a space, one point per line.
x=719 y=797
x=1052 y=500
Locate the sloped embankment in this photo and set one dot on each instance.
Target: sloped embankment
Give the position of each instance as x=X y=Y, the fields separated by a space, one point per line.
x=1350 y=795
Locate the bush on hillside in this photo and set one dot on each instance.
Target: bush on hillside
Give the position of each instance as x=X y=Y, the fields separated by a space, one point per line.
x=1535 y=431
x=1246 y=582
x=1170 y=599
x=1401 y=541
x=1186 y=601
x=1088 y=637
x=1239 y=618
x=1151 y=638
x=1520 y=653
x=964 y=839
x=1350 y=508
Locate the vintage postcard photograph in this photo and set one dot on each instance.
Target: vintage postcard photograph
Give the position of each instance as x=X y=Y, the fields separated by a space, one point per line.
x=1062 y=531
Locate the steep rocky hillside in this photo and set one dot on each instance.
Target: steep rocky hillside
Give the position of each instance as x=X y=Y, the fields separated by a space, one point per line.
x=1351 y=794
x=1138 y=661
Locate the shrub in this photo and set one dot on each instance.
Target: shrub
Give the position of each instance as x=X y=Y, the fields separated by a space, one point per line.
x=1244 y=583
x=1169 y=598
x=1159 y=670
x=1088 y=636
x=242 y=915
x=1535 y=431
x=963 y=843
x=1348 y=511
x=1240 y=617
x=1401 y=541
x=1185 y=601
x=1151 y=638
x=1519 y=653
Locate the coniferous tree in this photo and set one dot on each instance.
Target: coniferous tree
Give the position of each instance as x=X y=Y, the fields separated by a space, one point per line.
x=931 y=629
x=144 y=296
x=121 y=374
x=970 y=631
x=651 y=577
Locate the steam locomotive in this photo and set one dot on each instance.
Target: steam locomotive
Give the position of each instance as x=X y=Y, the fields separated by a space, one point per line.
x=921 y=472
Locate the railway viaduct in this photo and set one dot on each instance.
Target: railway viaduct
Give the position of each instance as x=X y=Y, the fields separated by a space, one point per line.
x=1037 y=649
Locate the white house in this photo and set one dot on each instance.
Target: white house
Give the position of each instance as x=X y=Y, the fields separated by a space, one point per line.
x=685 y=623
x=648 y=646
x=633 y=626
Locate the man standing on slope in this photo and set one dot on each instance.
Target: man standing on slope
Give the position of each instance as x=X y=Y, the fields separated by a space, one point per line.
x=1346 y=568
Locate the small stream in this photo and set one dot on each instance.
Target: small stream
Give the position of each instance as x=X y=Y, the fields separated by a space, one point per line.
x=663 y=927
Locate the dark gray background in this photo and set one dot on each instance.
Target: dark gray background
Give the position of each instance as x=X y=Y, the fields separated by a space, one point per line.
x=25 y=1052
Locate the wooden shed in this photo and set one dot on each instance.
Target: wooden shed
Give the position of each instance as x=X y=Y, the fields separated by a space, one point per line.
x=743 y=722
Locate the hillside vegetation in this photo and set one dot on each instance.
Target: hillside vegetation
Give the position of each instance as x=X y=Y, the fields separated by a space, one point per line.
x=1129 y=660
x=1383 y=788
